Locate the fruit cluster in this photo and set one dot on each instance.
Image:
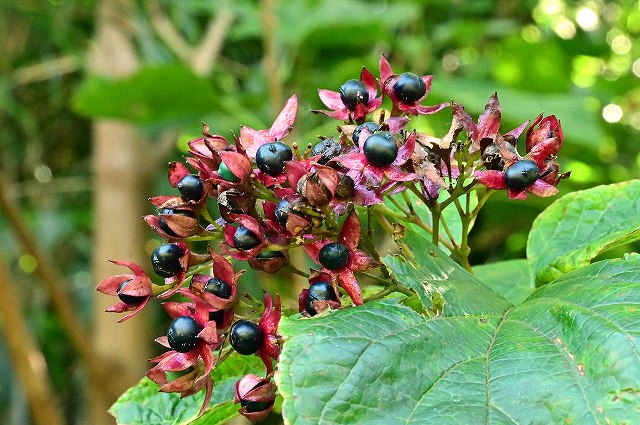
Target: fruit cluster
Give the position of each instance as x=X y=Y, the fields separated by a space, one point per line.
x=272 y=198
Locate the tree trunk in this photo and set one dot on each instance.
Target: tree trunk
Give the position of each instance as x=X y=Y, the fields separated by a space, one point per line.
x=119 y=183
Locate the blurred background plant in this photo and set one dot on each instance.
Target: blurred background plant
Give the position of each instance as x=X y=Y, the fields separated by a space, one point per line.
x=96 y=96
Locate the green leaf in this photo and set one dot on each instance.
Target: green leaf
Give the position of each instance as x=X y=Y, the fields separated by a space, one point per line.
x=566 y=355
x=511 y=279
x=155 y=94
x=432 y=272
x=144 y=404
x=580 y=225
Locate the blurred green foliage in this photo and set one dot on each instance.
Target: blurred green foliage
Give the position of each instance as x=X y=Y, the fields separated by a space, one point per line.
x=575 y=59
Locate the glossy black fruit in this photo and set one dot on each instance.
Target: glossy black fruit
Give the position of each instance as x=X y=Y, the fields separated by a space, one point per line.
x=218 y=317
x=409 y=88
x=168 y=211
x=327 y=149
x=165 y=260
x=353 y=92
x=218 y=287
x=521 y=175
x=245 y=239
x=269 y=255
x=183 y=334
x=380 y=149
x=226 y=173
x=270 y=157
x=282 y=212
x=371 y=126
x=334 y=256
x=245 y=337
x=129 y=299
x=319 y=291
x=191 y=188
x=255 y=406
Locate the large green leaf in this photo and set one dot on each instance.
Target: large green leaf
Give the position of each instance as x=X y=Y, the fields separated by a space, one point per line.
x=566 y=355
x=431 y=272
x=155 y=94
x=580 y=225
x=143 y=404
x=511 y=279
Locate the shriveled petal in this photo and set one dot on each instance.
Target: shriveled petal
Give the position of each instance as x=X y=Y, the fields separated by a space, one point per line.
x=405 y=151
x=516 y=194
x=428 y=110
x=179 y=361
x=542 y=189
x=271 y=315
x=365 y=196
x=385 y=69
x=516 y=132
x=177 y=171
x=120 y=307
x=396 y=174
x=489 y=121
x=369 y=82
x=136 y=269
x=176 y=309
x=228 y=232
x=342 y=114
x=294 y=171
x=428 y=80
x=160 y=201
x=461 y=116
x=350 y=233
x=396 y=124
x=352 y=161
x=110 y=285
x=139 y=286
x=180 y=384
x=209 y=333
x=222 y=269
x=207 y=357
x=284 y=121
x=329 y=177
x=237 y=163
x=493 y=179
x=135 y=310
x=359 y=261
x=543 y=150
x=350 y=284
x=296 y=224
x=331 y=99
x=251 y=140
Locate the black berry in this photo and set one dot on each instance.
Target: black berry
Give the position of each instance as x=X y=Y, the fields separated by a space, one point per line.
x=319 y=291
x=353 y=92
x=245 y=337
x=191 y=188
x=218 y=287
x=168 y=211
x=218 y=317
x=334 y=256
x=327 y=149
x=245 y=239
x=129 y=299
x=380 y=149
x=255 y=406
x=521 y=175
x=270 y=157
x=183 y=334
x=282 y=212
x=409 y=88
x=226 y=173
x=165 y=260
x=371 y=126
x=269 y=255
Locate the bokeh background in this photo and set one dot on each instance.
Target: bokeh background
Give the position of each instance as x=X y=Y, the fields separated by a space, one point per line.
x=96 y=96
